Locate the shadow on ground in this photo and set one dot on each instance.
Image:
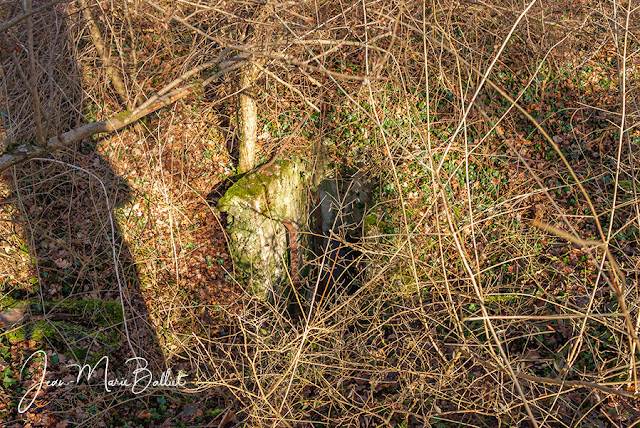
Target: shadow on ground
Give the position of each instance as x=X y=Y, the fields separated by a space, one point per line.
x=67 y=273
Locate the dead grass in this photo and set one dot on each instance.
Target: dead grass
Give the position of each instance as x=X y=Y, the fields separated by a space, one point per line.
x=466 y=314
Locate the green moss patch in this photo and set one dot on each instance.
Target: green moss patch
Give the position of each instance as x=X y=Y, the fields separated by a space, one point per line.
x=76 y=325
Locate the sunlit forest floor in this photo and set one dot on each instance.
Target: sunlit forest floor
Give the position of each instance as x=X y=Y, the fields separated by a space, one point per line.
x=499 y=271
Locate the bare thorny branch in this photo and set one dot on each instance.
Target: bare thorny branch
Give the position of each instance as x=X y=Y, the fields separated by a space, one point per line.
x=404 y=325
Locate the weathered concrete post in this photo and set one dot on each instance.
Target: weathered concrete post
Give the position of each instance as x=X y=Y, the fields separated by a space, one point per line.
x=255 y=207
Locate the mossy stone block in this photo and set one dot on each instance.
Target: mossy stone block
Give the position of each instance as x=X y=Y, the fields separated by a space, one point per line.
x=255 y=206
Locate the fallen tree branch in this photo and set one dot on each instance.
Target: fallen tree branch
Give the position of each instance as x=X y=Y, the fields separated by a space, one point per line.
x=17 y=155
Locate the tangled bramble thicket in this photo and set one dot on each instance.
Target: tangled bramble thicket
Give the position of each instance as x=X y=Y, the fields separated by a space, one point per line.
x=500 y=264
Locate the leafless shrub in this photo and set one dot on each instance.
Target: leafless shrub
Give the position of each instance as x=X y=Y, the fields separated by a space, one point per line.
x=475 y=119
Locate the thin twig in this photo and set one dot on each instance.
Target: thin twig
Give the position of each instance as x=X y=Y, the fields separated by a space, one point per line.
x=551 y=381
x=288 y=85
x=25 y=15
x=618 y=291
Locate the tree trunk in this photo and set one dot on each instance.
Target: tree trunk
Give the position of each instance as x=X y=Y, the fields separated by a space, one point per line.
x=248 y=119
